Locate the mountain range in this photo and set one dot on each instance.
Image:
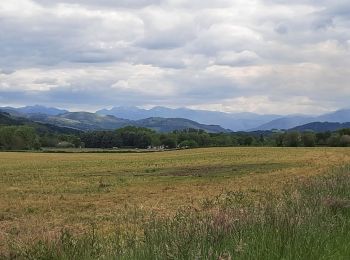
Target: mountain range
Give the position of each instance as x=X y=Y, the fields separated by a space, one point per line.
x=168 y=119
x=33 y=110
x=233 y=121
x=288 y=122
x=90 y=121
x=319 y=127
x=86 y=121
x=7 y=119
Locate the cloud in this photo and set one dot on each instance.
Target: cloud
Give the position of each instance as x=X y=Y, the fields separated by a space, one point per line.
x=272 y=56
x=103 y=3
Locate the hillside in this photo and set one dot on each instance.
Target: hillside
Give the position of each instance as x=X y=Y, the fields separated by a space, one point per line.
x=7 y=119
x=287 y=122
x=41 y=128
x=84 y=121
x=170 y=124
x=321 y=127
x=284 y=123
x=36 y=109
x=339 y=116
x=233 y=121
x=117 y=117
x=90 y=121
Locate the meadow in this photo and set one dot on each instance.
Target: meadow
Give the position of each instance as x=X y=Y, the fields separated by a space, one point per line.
x=214 y=203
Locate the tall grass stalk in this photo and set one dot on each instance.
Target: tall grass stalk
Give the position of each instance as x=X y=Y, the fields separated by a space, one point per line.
x=309 y=220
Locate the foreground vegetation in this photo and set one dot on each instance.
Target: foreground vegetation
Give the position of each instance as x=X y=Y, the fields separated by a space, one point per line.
x=204 y=202
x=308 y=220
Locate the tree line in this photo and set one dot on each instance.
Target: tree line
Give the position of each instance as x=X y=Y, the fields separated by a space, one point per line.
x=26 y=138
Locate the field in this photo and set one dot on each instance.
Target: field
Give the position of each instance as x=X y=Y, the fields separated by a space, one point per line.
x=44 y=194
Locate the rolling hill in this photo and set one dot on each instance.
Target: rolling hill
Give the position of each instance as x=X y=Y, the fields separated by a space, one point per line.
x=121 y=116
x=36 y=109
x=285 y=123
x=170 y=124
x=321 y=127
x=288 y=122
x=84 y=121
x=339 y=116
x=90 y=121
x=233 y=121
x=41 y=128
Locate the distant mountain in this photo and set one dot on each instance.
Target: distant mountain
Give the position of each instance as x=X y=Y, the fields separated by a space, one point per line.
x=89 y=121
x=285 y=123
x=82 y=120
x=33 y=110
x=7 y=119
x=319 y=127
x=41 y=110
x=233 y=121
x=339 y=116
x=131 y=113
x=41 y=128
x=120 y=116
x=12 y=111
x=171 y=124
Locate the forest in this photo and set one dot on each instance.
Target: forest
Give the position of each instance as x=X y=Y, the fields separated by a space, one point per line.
x=28 y=138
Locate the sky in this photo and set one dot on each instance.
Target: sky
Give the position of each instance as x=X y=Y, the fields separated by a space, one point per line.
x=262 y=56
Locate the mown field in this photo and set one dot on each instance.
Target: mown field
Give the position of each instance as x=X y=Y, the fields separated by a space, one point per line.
x=45 y=195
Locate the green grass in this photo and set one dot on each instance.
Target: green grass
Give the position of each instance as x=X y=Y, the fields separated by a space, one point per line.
x=309 y=220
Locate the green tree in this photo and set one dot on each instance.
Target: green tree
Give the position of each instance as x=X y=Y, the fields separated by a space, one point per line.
x=278 y=137
x=188 y=144
x=308 y=139
x=334 y=140
x=18 y=137
x=292 y=139
x=7 y=138
x=345 y=141
x=169 y=142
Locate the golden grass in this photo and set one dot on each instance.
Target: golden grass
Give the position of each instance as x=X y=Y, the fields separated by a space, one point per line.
x=41 y=193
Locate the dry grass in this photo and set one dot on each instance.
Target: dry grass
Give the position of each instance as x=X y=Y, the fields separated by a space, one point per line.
x=41 y=193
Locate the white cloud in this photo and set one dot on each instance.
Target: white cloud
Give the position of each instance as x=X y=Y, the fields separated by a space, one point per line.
x=270 y=56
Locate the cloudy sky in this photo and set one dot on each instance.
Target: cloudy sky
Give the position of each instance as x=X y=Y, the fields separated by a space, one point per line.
x=265 y=56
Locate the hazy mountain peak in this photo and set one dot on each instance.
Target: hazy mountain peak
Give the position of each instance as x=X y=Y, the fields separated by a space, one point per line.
x=233 y=121
x=38 y=109
x=243 y=121
x=35 y=109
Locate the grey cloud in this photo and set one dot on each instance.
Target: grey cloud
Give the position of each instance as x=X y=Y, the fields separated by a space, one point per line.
x=238 y=59
x=50 y=39
x=6 y=71
x=171 y=52
x=48 y=81
x=104 y=3
x=281 y=29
